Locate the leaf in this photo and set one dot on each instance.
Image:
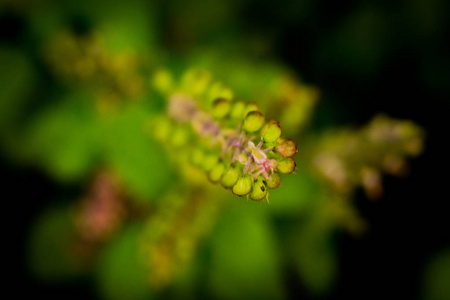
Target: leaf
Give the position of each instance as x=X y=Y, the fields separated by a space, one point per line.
x=17 y=80
x=314 y=255
x=436 y=277
x=244 y=262
x=49 y=247
x=297 y=194
x=138 y=160
x=121 y=272
x=64 y=138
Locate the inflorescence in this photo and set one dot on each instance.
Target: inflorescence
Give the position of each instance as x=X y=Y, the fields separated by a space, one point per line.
x=230 y=140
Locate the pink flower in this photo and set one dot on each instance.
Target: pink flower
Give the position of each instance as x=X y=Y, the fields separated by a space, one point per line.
x=256 y=161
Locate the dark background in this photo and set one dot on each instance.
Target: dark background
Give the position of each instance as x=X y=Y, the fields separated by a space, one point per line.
x=394 y=61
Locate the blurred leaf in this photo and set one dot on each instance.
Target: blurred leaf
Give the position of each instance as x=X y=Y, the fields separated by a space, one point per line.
x=17 y=80
x=436 y=277
x=49 y=250
x=121 y=273
x=64 y=138
x=298 y=194
x=244 y=258
x=314 y=255
x=191 y=278
x=126 y=25
x=139 y=161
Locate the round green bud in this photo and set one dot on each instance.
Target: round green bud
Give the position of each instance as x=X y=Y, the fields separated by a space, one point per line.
x=259 y=190
x=254 y=121
x=209 y=162
x=162 y=128
x=287 y=148
x=273 y=181
x=221 y=108
x=196 y=81
x=250 y=107
x=162 y=80
x=230 y=177
x=271 y=132
x=237 y=110
x=243 y=186
x=179 y=136
x=286 y=166
x=197 y=156
x=216 y=172
x=219 y=90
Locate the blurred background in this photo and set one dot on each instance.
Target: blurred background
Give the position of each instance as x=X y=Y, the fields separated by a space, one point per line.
x=98 y=207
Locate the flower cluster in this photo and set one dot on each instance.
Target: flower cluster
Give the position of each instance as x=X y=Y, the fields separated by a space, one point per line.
x=102 y=211
x=230 y=140
x=174 y=232
x=83 y=60
x=351 y=158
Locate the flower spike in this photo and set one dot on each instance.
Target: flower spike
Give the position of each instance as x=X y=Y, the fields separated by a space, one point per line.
x=231 y=141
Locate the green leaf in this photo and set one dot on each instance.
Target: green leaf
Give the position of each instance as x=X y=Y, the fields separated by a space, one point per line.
x=64 y=138
x=436 y=277
x=17 y=80
x=138 y=160
x=121 y=271
x=298 y=194
x=314 y=255
x=244 y=259
x=49 y=247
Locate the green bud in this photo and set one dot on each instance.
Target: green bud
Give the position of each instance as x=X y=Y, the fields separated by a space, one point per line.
x=254 y=121
x=230 y=177
x=216 y=172
x=243 y=186
x=179 y=136
x=162 y=80
x=273 y=181
x=197 y=157
x=271 y=132
x=237 y=110
x=162 y=128
x=259 y=190
x=286 y=166
x=287 y=148
x=250 y=107
x=219 y=90
x=221 y=108
x=196 y=81
x=209 y=162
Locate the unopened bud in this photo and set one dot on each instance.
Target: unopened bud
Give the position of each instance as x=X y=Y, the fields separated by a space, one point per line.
x=243 y=186
x=254 y=121
x=209 y=162
x=179 y=136
x=230 y=177
x=237 y=110
x=221 y=108
x=219 y=90
x=197 y=156
x=273 y=181
x=271 y=132
x=196 y=81
x=287 y=148
x=216 y=172
x=161 y=128
x=163 y=81
x=250 y=107
x=259 y=190
x=286 y=166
